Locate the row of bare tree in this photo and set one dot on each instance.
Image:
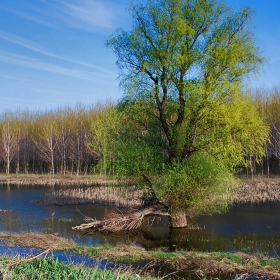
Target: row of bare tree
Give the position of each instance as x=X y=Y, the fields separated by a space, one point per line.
x=267 y=100
x=53 y=141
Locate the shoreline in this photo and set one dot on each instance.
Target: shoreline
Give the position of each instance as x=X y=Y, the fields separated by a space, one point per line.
x=186 y=262
x=64 y=179
x=37 y=178
x=209 y=263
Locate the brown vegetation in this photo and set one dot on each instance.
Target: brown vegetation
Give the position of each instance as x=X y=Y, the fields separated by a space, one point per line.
x=119 y=222
x=211 y=264
x=37 y=241
x=197 y=263
x=181 y=261
x=257 y=191
x=61 y=180
x=119 y=196
x=249 y=191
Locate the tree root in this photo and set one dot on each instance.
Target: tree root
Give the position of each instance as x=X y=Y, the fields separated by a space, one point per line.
x=120 y=222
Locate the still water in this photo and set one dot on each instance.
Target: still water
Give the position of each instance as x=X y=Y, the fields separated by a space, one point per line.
x=248 y=228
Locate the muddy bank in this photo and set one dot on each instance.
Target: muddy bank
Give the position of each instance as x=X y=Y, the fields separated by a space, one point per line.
x=37 y=241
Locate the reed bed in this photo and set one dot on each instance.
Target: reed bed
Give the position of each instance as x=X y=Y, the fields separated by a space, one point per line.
x=247 y=192
x=59 y=180
x=256 y=192
x=37 y=240
x=119 y=196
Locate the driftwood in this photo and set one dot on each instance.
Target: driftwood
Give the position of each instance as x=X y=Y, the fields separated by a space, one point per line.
x=120 y=222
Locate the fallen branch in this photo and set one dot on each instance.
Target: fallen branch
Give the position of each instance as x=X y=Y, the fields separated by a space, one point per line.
x=120 y=222
x=29 y=258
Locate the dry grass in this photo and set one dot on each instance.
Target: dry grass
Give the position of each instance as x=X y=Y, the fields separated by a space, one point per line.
x=215 y=264
x=197 y=263
x=257 y=191
x=123 y=252
x=57 y=179
x=120 y=196
x=37 y=241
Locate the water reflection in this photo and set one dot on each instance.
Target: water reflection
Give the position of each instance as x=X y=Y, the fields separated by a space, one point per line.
x=248 y=228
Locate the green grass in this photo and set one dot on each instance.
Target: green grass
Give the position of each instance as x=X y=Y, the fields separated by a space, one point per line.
x=134 y=254
x=49 y=268
x=187 y=261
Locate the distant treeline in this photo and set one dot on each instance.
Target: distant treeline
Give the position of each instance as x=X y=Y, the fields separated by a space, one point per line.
x=267 y=101
x=60 y=141
x=53 y=141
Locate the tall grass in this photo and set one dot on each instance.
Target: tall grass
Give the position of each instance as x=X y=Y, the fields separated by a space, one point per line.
x=49 y=268
x=120 y=196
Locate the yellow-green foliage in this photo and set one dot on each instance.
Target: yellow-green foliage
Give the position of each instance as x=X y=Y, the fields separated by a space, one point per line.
x=182 y=67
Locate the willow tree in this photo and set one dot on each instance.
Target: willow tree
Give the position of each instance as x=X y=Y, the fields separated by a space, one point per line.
x=184 y=62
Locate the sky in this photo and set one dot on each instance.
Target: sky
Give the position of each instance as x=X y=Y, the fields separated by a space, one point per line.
x=53 y=53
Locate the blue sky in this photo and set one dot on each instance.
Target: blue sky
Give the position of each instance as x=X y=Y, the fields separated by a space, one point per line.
x=52 y=52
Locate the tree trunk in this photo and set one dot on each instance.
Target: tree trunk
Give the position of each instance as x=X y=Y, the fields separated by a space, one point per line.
x=178 y=219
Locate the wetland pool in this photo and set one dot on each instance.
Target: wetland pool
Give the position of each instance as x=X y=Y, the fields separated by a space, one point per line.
x=248 y=228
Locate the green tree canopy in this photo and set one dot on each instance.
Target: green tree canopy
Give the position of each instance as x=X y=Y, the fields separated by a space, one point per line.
x=181 y=55
x=182 y=68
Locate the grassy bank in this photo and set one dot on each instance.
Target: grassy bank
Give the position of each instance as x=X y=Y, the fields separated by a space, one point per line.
x=48 y=268
x=191 y=262
x=184 y=262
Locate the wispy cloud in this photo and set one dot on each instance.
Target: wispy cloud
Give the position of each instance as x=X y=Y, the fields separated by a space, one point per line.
x=34 y=18
x=26 y=10
x=14 y=78
x=87 y=14
x=24 y=61
x=39 y=49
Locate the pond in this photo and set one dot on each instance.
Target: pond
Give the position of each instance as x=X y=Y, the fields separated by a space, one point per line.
x=247 y=228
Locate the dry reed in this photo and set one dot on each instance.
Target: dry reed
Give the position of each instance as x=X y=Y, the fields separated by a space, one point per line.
x=37 y=240
x=47 y=180
x=256 y=192
x=120 y=196
x=17 y=260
